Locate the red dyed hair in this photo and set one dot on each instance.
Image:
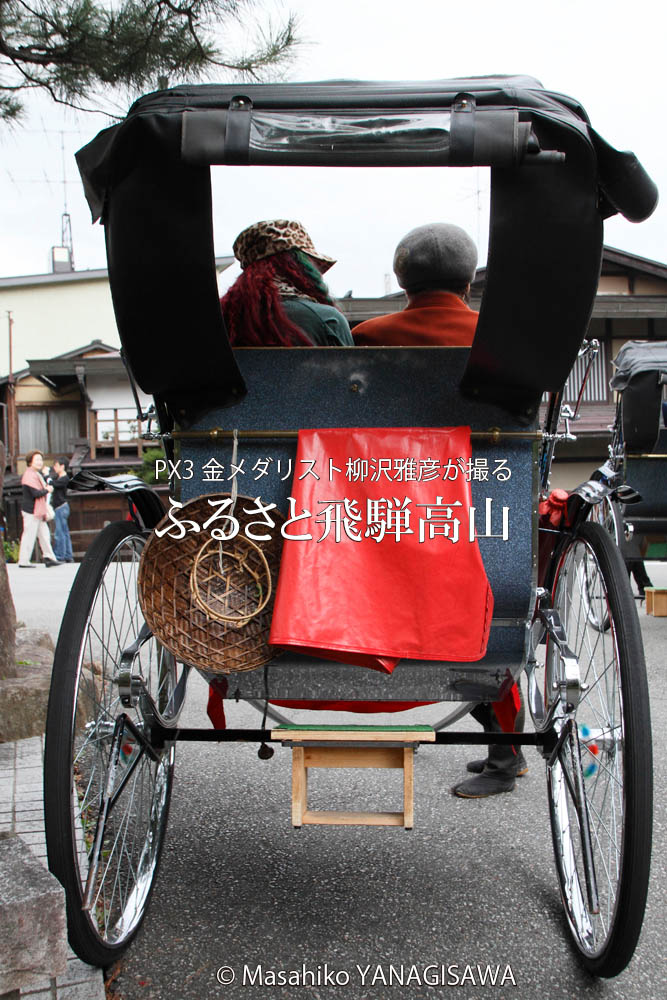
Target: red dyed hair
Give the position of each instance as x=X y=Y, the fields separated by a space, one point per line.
x=253 y=308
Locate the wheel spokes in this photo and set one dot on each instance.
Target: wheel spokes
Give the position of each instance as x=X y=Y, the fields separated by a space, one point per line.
x=582 y=601
x=119 y=865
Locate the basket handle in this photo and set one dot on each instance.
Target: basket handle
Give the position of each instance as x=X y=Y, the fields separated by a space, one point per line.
x=233 y=619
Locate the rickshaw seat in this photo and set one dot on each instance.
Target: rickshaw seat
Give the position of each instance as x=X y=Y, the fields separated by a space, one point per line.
x=296 y=388
x=646 y=474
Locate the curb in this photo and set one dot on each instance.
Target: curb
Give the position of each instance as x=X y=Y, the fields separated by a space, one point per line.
x=22 y=813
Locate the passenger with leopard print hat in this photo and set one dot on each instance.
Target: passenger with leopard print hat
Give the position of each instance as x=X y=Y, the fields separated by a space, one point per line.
x=280 y=299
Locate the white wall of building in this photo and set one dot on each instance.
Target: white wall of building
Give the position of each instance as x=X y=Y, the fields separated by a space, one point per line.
x=52 y=318
x=113 y=393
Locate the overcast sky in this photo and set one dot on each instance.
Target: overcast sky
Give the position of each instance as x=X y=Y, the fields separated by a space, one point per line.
x=609 y=55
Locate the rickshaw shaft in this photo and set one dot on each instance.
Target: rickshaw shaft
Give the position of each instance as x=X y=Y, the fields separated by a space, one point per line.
x=261 y=735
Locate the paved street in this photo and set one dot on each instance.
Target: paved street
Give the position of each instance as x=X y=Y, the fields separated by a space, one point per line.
x=40 y=594
x=473 y=883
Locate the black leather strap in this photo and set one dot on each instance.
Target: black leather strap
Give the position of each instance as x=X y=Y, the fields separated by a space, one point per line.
x=462 y=130
x=237 y=132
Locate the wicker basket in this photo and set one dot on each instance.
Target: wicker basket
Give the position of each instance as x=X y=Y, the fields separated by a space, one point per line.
x=210 y=602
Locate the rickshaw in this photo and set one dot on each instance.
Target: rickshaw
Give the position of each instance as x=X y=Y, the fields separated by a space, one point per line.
x=113 y=718
x=634 y=507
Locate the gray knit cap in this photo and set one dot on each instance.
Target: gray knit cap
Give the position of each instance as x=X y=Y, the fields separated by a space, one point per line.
x=435 y=256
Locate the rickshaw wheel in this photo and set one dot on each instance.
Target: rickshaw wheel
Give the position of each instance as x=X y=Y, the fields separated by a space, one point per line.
x=102 y=618
x=608 y=514
x=614 y=744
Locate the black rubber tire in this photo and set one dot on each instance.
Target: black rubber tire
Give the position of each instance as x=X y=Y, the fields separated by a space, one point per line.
x=83 y=707
x=613 y=721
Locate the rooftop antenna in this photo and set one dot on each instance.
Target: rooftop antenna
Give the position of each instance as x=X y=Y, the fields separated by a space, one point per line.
x=62 y=257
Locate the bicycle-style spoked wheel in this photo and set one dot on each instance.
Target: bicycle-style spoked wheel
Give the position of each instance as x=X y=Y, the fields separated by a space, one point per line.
x=106 y=788
x=608 y=515
x=599 y=781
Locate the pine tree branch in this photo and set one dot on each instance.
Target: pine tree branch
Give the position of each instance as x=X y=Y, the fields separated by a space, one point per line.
x=77 y=49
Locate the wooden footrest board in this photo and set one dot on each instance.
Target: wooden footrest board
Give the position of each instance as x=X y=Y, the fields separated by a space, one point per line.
x=356 y=734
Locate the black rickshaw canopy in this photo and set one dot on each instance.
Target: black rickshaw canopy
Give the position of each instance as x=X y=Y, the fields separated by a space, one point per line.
x=553 y=181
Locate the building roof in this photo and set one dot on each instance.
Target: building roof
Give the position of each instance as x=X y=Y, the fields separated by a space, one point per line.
x=633 y=262
x=613 y=262
x=55 y=278
x=69 y=277
x=63 y=370
x=611 y=305
x=95 y=347
x=65 y=361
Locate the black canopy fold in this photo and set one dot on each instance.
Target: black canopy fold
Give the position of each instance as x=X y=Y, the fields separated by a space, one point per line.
x=553 y=181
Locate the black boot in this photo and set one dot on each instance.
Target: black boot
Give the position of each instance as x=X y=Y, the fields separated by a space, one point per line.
x=499 y=775
x=499 y=771
x=520 y=763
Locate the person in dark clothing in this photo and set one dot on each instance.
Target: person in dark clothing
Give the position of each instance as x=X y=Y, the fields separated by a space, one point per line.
x=636 y=568
x=34 y=512
x=62 y=543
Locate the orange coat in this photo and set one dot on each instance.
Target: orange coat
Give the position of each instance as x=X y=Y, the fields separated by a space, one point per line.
x=430 y=319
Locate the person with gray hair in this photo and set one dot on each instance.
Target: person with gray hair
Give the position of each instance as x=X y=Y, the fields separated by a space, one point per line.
x=435 y=264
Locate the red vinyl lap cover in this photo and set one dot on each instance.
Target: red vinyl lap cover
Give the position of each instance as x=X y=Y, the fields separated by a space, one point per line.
x=371 y=600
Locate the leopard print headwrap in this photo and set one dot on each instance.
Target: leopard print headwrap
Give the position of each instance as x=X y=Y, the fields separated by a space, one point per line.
x=263 y=239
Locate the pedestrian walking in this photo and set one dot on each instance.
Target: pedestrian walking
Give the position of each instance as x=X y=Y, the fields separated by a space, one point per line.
x=35 y=512
x=62 y=542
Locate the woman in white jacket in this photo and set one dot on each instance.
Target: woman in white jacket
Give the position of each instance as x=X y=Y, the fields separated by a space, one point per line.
x=34 y=511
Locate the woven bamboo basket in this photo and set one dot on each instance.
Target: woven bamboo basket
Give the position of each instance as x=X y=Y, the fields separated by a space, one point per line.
x=210 y=601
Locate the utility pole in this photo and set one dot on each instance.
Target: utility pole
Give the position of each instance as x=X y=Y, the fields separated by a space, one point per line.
x=11 y=403
x=10 y=323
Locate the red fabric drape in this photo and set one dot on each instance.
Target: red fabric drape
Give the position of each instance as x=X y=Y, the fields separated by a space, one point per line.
x=215 y=709
x=356 y=596
x=506 y=710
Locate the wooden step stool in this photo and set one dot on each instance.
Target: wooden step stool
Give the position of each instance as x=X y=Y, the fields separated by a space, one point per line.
x=656 y=601
x=352 y=746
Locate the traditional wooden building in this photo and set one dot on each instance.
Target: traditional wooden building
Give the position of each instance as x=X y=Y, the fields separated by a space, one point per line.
x=77 y=405
x=79 y=394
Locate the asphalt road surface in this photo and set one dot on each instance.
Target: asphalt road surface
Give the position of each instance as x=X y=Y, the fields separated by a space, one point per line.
x=474 y=883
